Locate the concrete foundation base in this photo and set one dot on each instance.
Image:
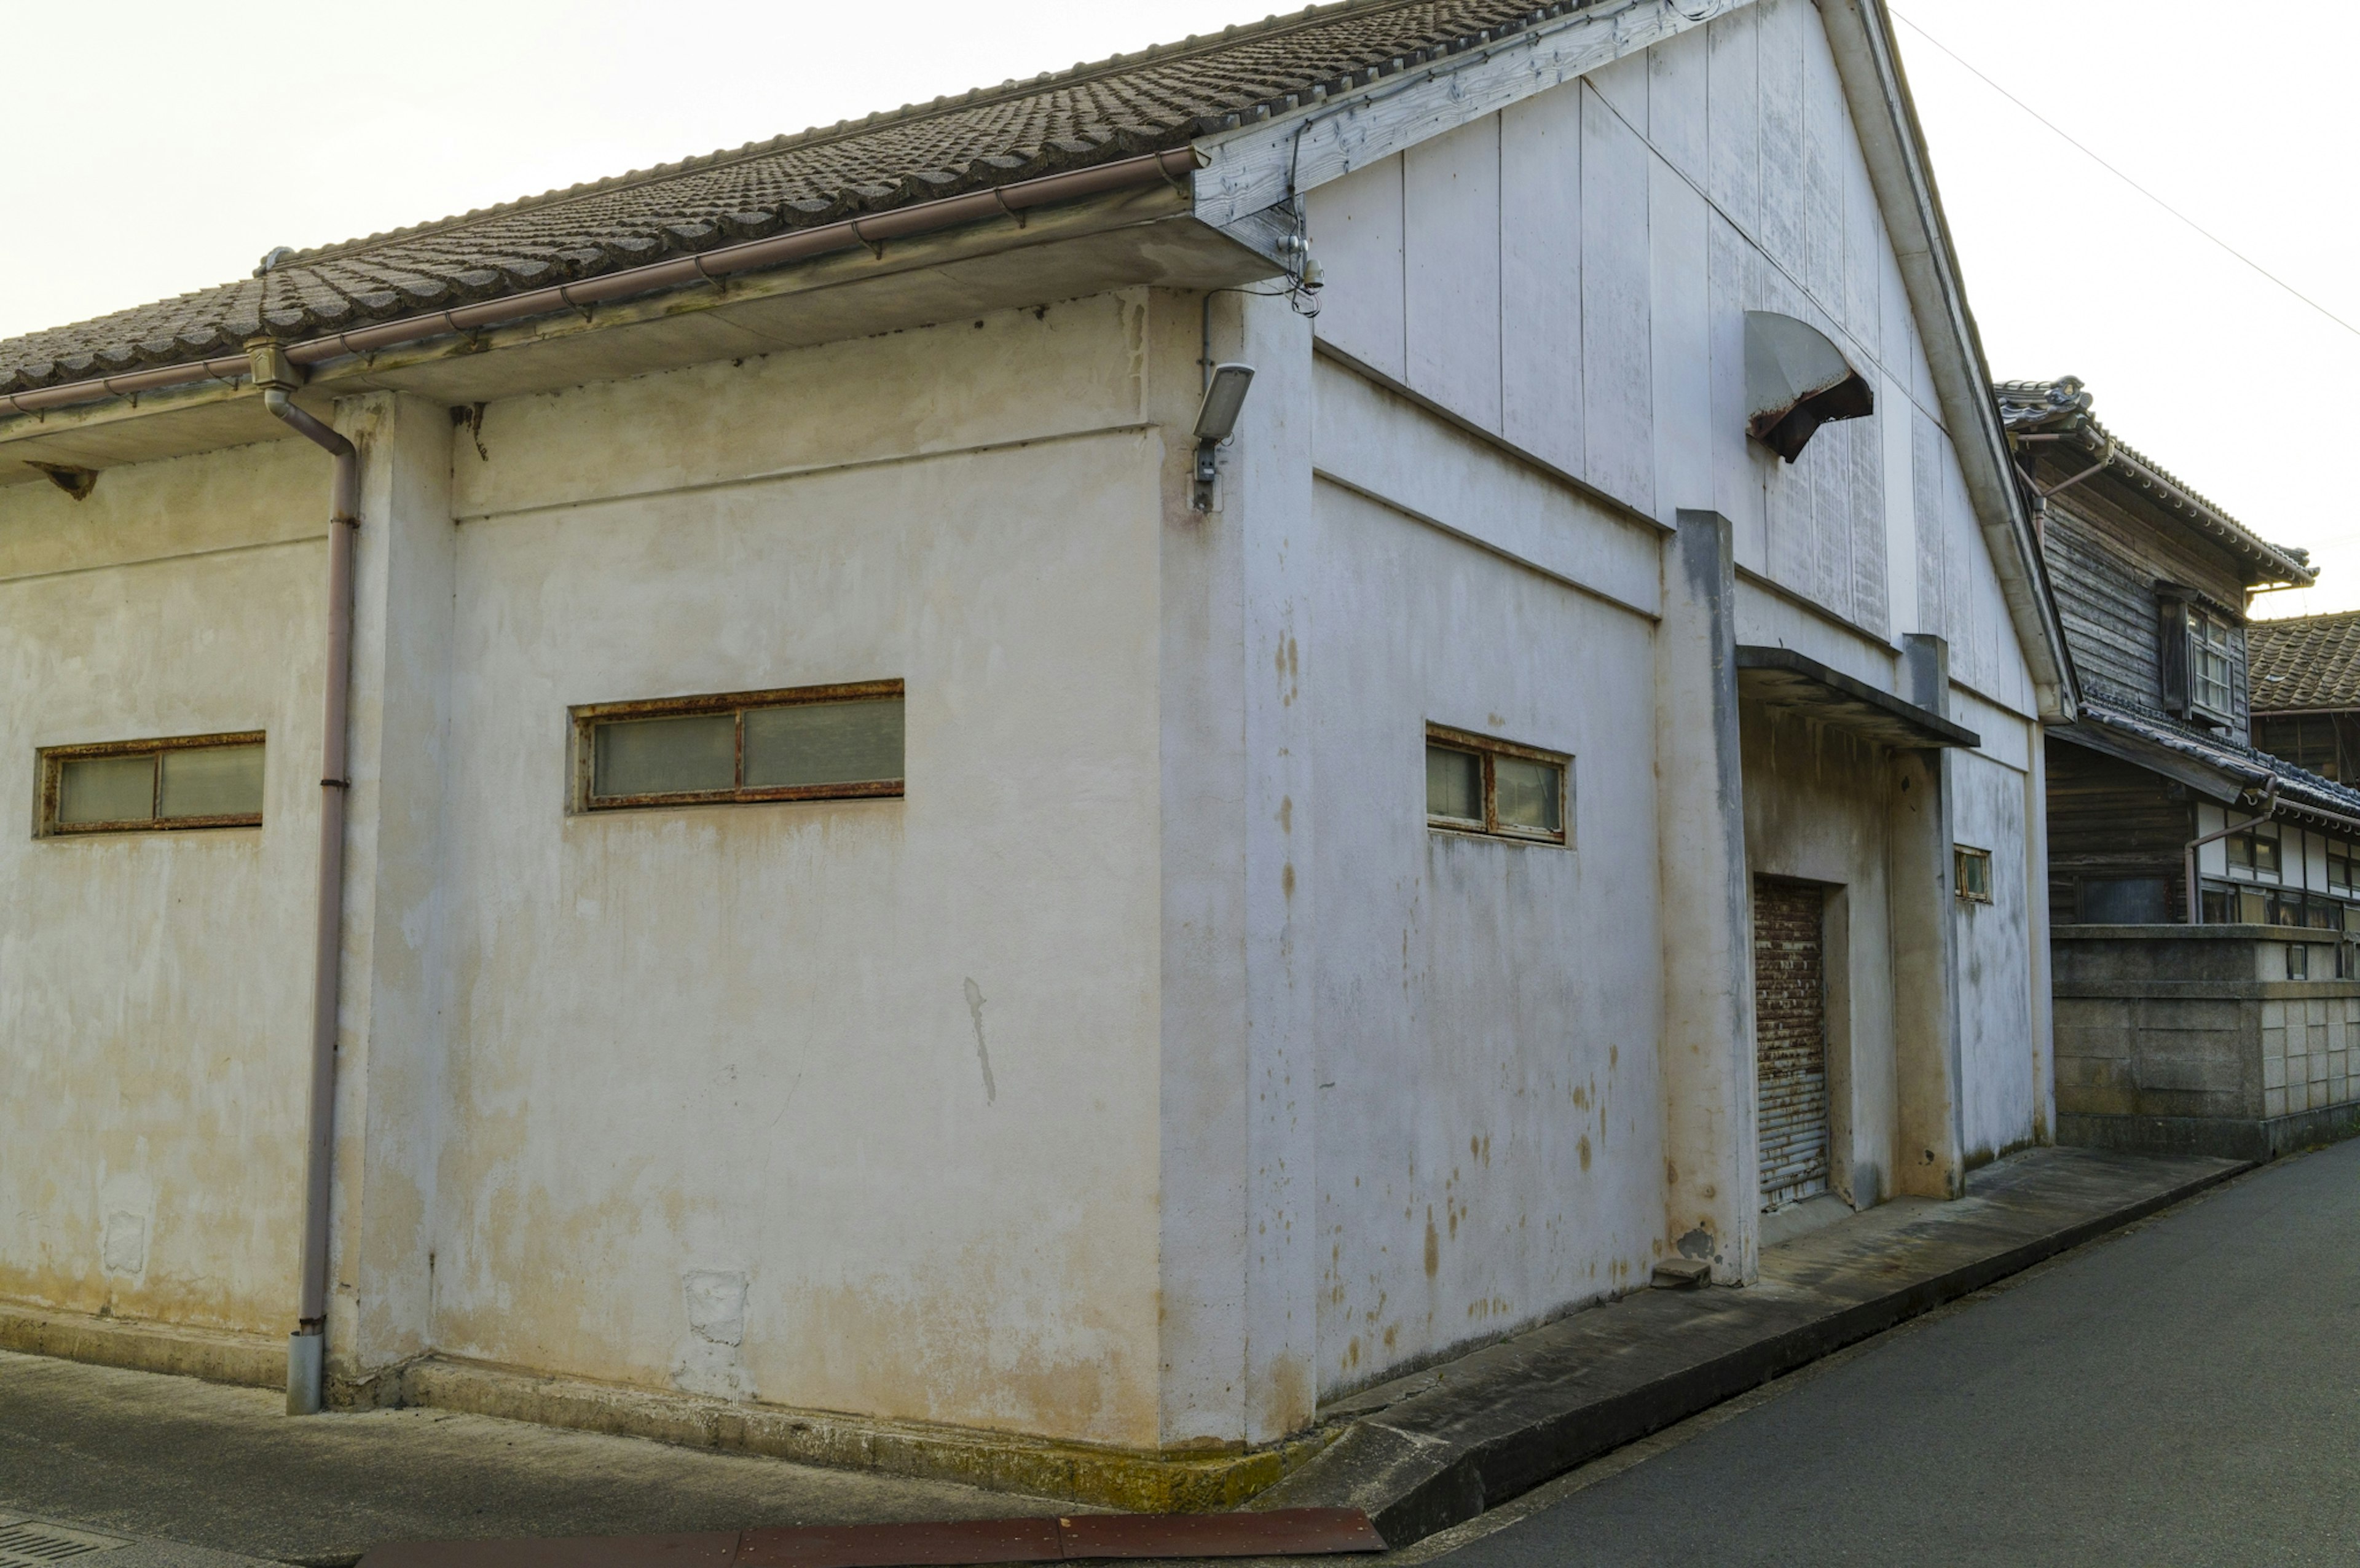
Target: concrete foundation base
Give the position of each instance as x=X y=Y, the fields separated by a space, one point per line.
x=2224 y=1137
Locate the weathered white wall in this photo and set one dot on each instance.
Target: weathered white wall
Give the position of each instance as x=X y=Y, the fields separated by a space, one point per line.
x=1630 y=221
x=838 y=1105
x=1572 y=275
x=1488 y=1127
x=155 y=988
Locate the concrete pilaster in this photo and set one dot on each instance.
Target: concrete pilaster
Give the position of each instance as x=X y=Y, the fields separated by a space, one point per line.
x=1929 y=1158
x=1239 y=1258
x=390 y=1048
x=1711 y=1187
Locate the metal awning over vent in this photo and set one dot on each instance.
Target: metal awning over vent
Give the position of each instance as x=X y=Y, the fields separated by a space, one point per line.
x=1781 y=678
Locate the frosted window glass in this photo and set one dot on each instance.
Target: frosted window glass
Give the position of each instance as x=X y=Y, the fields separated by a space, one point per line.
x=213 y=781
x=1527 y=794
x=106 y=789
x=1454 y=784
x=823 y=743
x=666 y=756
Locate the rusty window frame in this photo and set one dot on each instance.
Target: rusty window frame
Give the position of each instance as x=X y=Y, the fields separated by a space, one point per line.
x=584 y=722
x=1964 y=856
x=1489 y=749
x=51 y=761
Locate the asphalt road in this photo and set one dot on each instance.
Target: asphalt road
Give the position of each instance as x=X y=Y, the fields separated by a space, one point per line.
x=2187 y=1392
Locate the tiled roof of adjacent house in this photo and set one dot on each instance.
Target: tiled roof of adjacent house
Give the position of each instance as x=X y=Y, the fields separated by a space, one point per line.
x=2312 y=661
x=2250 y=767
x=1161 y=97
x=2062 y=408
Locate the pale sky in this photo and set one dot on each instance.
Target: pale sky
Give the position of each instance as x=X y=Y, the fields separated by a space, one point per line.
x=187 y=138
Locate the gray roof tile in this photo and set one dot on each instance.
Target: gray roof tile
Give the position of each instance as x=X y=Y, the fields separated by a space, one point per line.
x=1159 y=98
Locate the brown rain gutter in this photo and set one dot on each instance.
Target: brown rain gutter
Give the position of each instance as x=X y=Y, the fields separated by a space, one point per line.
x=305 y=1347
x=705 y=266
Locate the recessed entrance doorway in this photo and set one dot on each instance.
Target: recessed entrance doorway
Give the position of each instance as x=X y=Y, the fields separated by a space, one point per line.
x=1790 y=1033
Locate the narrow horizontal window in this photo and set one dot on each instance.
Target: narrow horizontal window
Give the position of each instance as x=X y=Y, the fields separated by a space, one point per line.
x=1478 y=784
x=193 y=782
x=1973 y=869
x=811 y=743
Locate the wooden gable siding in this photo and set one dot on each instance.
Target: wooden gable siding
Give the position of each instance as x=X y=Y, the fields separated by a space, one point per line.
x=1571 y=275
x=2105 y=562
x=2111 y=819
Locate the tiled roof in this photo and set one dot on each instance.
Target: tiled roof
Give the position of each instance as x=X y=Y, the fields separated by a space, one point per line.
x=2062 y=408
x=2310 y=661
x=2298 y=787
x=1161 y=97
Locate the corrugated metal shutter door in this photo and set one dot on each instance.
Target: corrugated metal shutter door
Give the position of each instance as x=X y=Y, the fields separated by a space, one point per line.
x=1790 y=1033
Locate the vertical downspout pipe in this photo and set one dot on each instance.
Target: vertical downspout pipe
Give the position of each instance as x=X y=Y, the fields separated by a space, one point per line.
x=278 y=380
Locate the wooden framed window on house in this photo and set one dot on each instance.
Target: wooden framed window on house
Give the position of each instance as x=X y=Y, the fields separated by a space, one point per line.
x=2253 y=854
x=2200 y=657
x=1475 y=784
x=2344 y=870
x=144 y=785
x=810 y=742
x=1972 y=873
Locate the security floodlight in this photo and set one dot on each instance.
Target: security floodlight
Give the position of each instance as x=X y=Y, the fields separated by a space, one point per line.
x=1217 y=421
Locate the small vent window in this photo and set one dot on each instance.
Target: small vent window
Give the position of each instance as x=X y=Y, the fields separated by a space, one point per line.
x=193 y=782
x=1973 y=870
x=811 y=743
x=1479 y=785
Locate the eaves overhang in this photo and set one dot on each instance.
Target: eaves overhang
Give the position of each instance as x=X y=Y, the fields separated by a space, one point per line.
x=1784 y=678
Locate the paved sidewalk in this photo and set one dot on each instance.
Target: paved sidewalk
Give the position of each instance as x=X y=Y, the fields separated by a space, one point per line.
x=1429 y=1450
x=161 y=1459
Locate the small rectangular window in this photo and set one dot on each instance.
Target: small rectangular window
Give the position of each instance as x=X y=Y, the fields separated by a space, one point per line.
x=1973 y=869
x=1476 y=784
x=192 y=781
x=2210 y=660
x=2340 y=868
x=2256 y=853
x=813 y=743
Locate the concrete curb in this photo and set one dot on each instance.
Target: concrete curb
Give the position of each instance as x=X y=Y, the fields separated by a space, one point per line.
x=1144 y=1483
x=1416 y=1471
x=217 y=1357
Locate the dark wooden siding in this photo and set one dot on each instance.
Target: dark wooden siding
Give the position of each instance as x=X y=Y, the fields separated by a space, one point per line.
x=2103 y=566
x=2109 y=819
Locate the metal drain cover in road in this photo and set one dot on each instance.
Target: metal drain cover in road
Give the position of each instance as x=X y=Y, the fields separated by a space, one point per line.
x=30 y=1544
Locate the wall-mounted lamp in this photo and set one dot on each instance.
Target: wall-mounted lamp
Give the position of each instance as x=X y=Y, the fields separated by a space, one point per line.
x=1217 y=421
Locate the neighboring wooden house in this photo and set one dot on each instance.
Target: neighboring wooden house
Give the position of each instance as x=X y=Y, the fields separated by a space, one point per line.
x=2152 y=582
x=898 y=857
x=2201 y=889
x=2306 y=686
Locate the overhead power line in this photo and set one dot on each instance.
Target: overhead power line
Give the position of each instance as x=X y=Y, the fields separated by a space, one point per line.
x=2083 y=149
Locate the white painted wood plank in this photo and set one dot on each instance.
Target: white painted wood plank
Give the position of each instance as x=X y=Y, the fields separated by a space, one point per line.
x=1827 y=128
x=1356 y=233
x=1734 y=129
x=1736 y=462
x=1540 y=276
x=1451 y=257
x=1678 y=324
x=1780 y=86
x=1623 y=84
x=1616 y=359
x=1252 y=168
x=1827 y=461
x=1788 y=489
x=1864 y=249
x=1932 y=521
x=1897 y=420
x=1867 y=518
x=1677 y=114
x=1384 y=446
